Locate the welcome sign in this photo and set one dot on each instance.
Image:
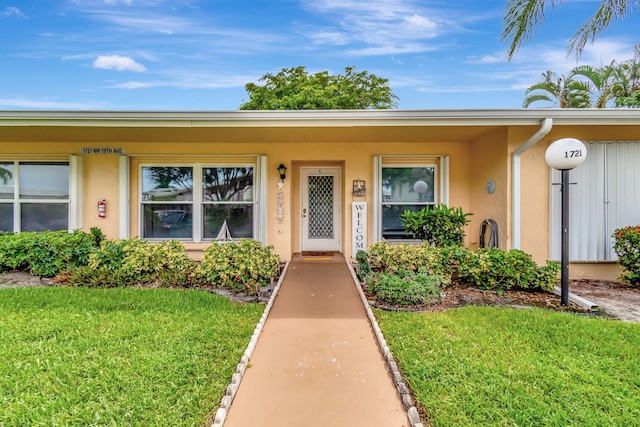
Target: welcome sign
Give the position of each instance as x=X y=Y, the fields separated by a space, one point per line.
x=359 y=225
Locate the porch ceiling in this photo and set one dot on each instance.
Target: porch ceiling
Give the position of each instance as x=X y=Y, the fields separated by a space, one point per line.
x=388 y=126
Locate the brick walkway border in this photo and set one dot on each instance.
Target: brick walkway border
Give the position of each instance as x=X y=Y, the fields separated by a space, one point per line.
x=232 y=388
x=392 y=366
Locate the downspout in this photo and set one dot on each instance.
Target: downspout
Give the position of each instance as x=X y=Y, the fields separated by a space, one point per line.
x=547 y=124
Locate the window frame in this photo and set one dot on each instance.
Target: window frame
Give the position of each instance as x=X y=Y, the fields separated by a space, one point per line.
x=197 y=201
x=17 y=201
x=384 y=162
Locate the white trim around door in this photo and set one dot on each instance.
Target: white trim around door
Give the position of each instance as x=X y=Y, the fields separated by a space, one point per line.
x=321 y=208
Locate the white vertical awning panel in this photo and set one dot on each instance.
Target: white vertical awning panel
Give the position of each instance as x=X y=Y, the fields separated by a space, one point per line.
x=606 y=197
x=623 y=163
x=586 y=208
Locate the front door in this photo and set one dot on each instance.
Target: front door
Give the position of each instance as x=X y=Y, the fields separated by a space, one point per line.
x=321 y=209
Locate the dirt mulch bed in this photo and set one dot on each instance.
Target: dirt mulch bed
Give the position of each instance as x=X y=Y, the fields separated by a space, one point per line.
x=614 y=300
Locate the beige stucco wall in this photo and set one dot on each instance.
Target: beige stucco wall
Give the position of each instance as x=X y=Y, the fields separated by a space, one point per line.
x=100 y=180
x=475 y=156
x=488 y=153
x=349 y=148
x=534 y=191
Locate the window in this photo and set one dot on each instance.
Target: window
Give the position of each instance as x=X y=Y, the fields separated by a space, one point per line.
x=404 y=187
x=34 y=196
x=197 y=202
x=604 y=195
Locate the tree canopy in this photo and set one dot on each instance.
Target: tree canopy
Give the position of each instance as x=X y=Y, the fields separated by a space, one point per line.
x=295 y=89
x=523 y=16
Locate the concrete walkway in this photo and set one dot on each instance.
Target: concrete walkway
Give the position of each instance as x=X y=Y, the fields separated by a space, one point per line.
x=317 y=362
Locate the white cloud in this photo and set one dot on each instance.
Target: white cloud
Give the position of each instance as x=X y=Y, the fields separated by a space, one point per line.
x=392 y=49
x=485 y=59
x=421 y=25
x=12 y=11
x=333 y=38
x=132 y=85
x=384 y=27
x=118 y=63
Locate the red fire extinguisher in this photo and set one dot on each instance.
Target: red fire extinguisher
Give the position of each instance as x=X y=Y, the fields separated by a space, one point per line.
x=102 y=208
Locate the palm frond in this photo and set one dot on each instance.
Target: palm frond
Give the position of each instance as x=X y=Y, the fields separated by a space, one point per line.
x=521 y=18
x=599 y=22
x=535 y=98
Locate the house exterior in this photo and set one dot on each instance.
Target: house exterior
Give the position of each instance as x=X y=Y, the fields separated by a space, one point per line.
x=201 y=176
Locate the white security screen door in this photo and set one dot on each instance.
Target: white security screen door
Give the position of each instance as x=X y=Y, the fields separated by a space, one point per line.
x=320 y=210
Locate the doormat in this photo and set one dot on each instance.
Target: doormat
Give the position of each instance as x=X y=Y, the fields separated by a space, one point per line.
x=318 y=253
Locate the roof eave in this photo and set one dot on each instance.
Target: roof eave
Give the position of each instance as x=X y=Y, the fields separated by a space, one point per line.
x=320 y=118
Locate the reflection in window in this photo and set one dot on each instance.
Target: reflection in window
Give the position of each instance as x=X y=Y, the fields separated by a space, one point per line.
x=227 y=195
x=6 y=217
x=167 y=184
x=44 y=217
x=6 y=181
x=44 y=180
x=404 y=188
x=167 y=221
x=238 y=218
x=41 y=200
x=227 y=184
x=167 y=197
x=221 y=198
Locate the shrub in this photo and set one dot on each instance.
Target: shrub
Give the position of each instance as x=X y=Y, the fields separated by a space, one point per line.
x=440 y=225
x=404 y=288
x=497 y=270
x=245 y=265
x=389 y=257
x=135 y=262
x=47 y=253
x=363 y=267
x=627 y=246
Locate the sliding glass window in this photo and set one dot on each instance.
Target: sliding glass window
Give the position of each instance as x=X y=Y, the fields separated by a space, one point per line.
x=34 y=196
x=197 y=202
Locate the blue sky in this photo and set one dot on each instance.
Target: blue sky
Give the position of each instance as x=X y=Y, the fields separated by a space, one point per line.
x=199 y=54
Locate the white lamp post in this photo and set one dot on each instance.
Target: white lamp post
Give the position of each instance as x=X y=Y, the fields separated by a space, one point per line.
x=564 y=155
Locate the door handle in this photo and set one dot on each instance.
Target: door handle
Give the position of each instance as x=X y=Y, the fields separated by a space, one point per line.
x=304 y=213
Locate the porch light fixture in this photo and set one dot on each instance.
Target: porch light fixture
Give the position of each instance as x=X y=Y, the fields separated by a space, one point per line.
x=359 y=187
x=564 y=155
x=282 y=169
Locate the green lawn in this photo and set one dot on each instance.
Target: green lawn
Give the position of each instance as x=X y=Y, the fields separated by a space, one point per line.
x=121 y=357
x=483 y=366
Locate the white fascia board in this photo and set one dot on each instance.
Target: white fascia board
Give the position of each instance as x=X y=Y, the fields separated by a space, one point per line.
x=320 y=118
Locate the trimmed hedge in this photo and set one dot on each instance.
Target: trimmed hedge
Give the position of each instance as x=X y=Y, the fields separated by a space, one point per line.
x=135 y=262
x=88 y=259
x=245 y=265
x=47 y=253
x=488 y=269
